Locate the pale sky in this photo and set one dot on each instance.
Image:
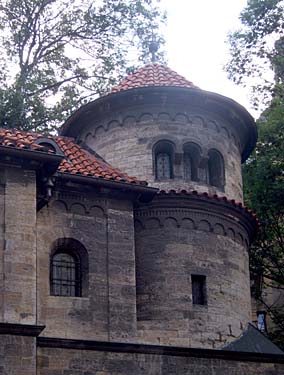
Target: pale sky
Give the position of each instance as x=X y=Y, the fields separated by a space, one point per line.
x=196 y=33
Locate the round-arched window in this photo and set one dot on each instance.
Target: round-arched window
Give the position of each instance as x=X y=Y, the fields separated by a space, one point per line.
x=65 y=275
x=216 y=172
x=163 y=160
x=191 y=160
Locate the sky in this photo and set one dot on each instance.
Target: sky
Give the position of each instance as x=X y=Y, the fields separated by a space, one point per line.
x=196 y=46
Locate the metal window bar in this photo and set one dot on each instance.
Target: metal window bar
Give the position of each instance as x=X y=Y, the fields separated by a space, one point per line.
x=163 y=166
x=65 y=278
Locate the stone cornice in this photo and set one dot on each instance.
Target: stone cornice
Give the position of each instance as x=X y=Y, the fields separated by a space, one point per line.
x=20 y=329
x=118 y=347
x=233 y=113
x=200 y=212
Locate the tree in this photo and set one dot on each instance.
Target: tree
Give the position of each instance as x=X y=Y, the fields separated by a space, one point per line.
x=256 y=51
x=264 y=193
x=58 y=54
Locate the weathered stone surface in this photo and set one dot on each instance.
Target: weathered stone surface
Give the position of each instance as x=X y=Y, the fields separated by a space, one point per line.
x=18 y=250
x=107 y=309
x=125 y=137
x=17 y=355
x=80 y=362
x=138 y=257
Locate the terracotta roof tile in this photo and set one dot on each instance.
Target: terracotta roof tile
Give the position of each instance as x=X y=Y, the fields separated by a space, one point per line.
x=216 y=197
x=77 y=160
x=153 y=75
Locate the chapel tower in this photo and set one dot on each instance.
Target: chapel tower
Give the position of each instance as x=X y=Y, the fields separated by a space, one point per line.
x=191 y=240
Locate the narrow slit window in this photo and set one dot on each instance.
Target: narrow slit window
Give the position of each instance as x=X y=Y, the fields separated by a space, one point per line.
x=198 y=283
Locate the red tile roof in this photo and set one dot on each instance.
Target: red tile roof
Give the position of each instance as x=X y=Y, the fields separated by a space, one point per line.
x=77 y=161
x=153 y=75
x=215 y=197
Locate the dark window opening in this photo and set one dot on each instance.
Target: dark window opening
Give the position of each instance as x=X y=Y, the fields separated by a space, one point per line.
x=163 y=160
x=163 y=166
x=191 y=160
x=69 y=268
x=198 y=283
x=261 y=321
x=216 y=174
x=65 y=275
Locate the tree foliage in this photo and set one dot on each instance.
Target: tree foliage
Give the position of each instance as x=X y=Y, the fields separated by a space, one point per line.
x=58 y=54
x=264 y=193
x=257 y=49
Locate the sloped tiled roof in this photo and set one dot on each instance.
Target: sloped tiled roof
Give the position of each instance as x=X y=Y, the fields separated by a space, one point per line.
x=153 y=75
x=77 y=160
x=252 y=340
x=215 y=197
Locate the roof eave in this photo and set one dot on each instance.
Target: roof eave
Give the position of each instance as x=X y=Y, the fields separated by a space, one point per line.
x=31 y=154
x=230 y=109
x=122 y=185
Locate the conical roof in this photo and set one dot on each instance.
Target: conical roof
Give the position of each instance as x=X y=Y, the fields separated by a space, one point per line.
x=153 y=75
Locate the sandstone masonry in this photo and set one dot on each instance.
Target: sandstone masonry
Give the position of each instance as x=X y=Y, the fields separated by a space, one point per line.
x=102 y=274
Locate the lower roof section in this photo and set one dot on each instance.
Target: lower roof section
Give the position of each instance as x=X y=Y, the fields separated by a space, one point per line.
x=253 y=341
x=73 y=159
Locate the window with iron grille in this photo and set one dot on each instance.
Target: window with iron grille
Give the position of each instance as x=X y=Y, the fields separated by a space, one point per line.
x=163 y=166
x=163 y=154
x=65 y=274
x=198 y=283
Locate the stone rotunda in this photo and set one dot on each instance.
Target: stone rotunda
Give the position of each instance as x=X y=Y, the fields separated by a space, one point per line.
x=192 y=238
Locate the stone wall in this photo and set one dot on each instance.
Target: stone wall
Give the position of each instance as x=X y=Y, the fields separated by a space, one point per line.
x=125 y=138
x=104 y=226
x=55 y=361
x=18 y=246
x=17 y=355
x=177 y=237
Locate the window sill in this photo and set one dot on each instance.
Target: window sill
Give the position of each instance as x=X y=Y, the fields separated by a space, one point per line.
x=200 y=307
x=67 y=299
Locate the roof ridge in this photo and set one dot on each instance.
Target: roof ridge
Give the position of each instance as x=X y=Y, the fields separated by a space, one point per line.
x=150 y=75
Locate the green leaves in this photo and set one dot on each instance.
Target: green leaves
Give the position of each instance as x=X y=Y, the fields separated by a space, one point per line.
x=55 y=49
x=264 y=193
x=257 y=50
x=254 y=49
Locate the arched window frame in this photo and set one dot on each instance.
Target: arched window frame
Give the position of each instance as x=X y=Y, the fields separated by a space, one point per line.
x=165 y=148
x=216 y=169
x=191 y=160
x=77 y=286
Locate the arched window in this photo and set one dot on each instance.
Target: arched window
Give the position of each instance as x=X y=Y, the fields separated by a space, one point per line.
x=68 y=268
x=163 y=157
x=66 y=275
x=191 y=159
x=216 y=173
